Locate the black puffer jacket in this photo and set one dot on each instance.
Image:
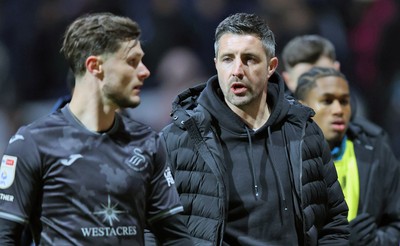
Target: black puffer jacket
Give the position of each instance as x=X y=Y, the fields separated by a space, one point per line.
x=379 y=173
x=200 y=175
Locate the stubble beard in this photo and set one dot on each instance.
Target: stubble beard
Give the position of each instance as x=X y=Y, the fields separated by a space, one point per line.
x=240 y=101
x=121 y=100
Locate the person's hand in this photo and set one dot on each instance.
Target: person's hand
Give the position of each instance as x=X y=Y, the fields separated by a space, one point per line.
x=362 y=230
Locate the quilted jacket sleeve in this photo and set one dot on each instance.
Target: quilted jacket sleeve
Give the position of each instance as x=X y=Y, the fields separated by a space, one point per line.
x=335 y=230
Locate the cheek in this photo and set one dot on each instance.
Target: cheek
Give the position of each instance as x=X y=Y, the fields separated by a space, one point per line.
x=125 y=77
x=259 y=71
x=224 y=86
x=318 y=107
x=321 y=115
x=348 y=113
x=258 y=78
x=223 y=71
x=318 y=118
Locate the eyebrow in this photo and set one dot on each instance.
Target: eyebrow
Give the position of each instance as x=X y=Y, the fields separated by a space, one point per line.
x=326 y=94
x=134 y=54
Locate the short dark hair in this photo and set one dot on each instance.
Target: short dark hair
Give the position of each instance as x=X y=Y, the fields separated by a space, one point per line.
x=307 y=49
x=307 y=80
x=243 y=23
x=96 y=34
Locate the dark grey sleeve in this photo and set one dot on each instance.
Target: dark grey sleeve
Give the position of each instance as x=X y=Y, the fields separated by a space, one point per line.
x=20 y=179
x=169 y=231
x=10 y=232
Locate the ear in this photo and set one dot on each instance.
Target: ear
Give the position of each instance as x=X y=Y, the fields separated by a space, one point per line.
x=291 y=85
x=336 y=65
x=273 y=64
x=93 y=65
x=285 y=76
x=287 y=80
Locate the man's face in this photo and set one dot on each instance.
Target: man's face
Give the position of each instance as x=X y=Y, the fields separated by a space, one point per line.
x=124 y=73
x=243 y=69
x=292 y=75
x=330 y=100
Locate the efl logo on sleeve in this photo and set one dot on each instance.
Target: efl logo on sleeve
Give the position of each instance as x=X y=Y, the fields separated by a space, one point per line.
x=7 y=171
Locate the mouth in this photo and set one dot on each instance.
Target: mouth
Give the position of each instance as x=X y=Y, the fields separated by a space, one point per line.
x=238 y=88
x=137 y=89
x=339 y=125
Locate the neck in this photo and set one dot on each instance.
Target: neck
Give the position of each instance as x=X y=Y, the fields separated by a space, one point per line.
x=338 y=148
x=260 y=119
x=255 y=115
x=89 y=108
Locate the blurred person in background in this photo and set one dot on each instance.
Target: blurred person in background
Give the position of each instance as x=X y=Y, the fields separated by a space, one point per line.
x=302 y=53
x=367 y=168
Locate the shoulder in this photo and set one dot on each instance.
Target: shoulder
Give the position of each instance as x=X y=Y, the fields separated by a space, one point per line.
x=368 y=133
x=361 y=124
x=182 y=119
x=314 y=140
x=41 y=126
x=134 y=131
x=34 y=141
x=300 y=116
x=188 y=128
x=134 y=126
x=298 y=112
x=52 y=119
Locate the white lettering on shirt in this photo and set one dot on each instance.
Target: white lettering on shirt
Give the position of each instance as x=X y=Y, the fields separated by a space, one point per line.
x=6 y=197
x=109 y=231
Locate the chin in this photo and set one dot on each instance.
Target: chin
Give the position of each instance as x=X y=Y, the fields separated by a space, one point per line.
x=337 y=139
x=130 y=104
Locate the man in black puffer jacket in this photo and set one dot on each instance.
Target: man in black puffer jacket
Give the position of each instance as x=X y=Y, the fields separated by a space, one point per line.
x=250 y=165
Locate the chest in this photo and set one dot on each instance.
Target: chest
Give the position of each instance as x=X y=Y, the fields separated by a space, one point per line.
x=96 y=165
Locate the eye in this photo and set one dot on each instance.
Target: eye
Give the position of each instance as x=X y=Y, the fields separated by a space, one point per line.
x=250 y=60
x=326 y=101
x=133 y=62
x=344 y=101
x=226 y=59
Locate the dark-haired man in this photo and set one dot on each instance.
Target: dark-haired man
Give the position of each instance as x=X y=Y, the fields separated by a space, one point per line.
x=251 y=167
x=85 y=174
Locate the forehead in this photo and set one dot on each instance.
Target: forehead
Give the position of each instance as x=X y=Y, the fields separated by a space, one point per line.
x=130 y=48
x=300 y=68
x=234 y=42
x=332 y=85
x=303 y=67
x=324 y=61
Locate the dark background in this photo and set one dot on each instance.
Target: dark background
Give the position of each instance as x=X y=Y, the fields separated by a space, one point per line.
x=178 y=37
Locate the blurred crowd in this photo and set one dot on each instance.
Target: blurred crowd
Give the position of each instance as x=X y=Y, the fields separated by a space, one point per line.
x=178 y=43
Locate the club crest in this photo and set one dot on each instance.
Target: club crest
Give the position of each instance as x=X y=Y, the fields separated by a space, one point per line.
x=137 y=162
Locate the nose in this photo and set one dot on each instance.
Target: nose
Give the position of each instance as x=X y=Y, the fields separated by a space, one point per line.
x=337 y=107
x=143 y=73
x=238 y=69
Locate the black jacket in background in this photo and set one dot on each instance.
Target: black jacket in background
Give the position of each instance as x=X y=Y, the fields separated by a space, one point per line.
x=379 y=175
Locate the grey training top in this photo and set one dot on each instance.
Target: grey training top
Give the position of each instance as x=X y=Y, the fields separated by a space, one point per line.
x=79 y=187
